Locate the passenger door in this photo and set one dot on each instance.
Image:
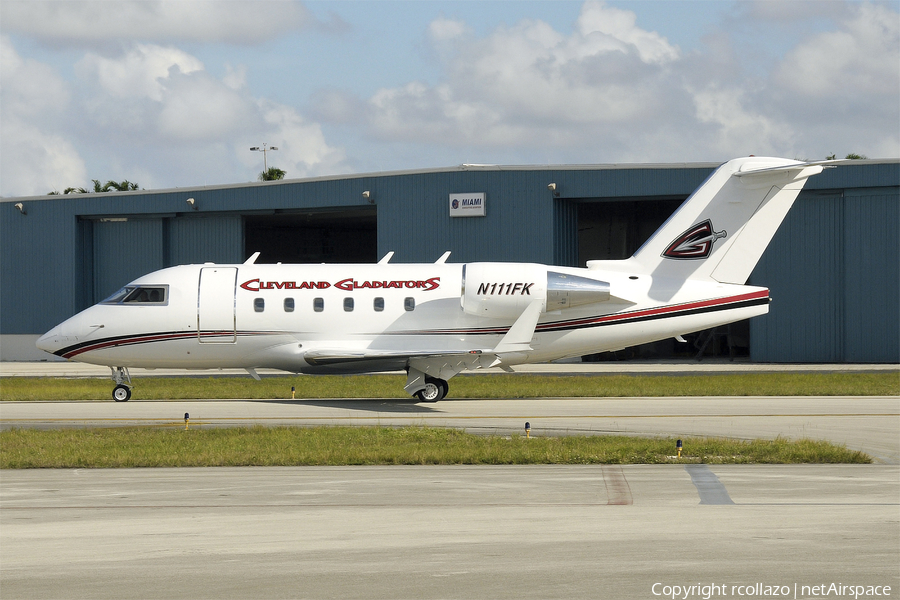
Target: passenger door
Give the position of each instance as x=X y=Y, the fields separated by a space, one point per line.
x=216 y=321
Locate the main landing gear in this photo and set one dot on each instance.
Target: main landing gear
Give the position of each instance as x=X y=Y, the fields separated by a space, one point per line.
x=122 y=391
x=434 y=390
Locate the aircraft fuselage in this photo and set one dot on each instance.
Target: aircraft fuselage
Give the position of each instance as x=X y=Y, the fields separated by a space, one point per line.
x=273 y=316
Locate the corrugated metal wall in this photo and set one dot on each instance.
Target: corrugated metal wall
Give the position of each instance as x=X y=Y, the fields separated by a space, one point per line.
x=833 y=270
x=832 y=267
x=200 y=239
x=871 y=277
x=125 y=250
x=39 y=267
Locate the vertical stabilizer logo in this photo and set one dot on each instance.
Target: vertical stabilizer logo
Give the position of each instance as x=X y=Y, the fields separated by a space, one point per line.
x=696 y=242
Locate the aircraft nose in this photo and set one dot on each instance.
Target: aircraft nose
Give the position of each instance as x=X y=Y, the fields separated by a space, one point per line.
x=50 y=341
x=70 y=331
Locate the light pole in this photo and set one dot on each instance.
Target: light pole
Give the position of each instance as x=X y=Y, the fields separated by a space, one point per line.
x=264 y=150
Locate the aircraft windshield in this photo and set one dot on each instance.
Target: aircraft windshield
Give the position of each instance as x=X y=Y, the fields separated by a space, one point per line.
x=140 y=294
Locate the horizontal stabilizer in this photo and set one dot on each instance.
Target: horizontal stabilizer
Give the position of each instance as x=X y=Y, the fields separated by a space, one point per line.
x=796 y=168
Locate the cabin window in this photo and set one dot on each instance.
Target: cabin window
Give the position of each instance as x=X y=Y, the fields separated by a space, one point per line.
x=318 y=304
x=259 y=304
x=288 y=305
x=348 y=304
x=409 y=304
x=140 y=294
x=379 y=304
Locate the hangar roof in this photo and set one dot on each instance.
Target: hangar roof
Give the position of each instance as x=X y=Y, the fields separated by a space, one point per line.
x=453 y=169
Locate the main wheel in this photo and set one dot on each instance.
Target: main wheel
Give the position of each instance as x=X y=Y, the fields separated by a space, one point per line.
x=434 y=390
x=121 y=393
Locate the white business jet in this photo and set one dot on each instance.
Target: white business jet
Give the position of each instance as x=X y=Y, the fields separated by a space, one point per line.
x=436 y=320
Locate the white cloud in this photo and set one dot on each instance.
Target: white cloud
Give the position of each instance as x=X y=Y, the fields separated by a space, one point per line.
x=151 y=114
x=443 y=29
x=738 y=130
x=620 y=32
x=611 y=90
x=138 y=74
x=156 y=94
x=198 y=108
x=33 y=99
x=860 y=59
x=529 y=82
x=139 y=104
x=302 y=148
x=29 y=87
x=92 y=22
x=37 y=162
x=235 y=77
x=839 y=88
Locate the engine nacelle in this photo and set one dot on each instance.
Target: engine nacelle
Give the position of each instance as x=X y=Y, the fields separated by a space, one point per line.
x=503 y=290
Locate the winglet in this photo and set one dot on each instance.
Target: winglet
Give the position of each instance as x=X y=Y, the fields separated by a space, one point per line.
x=443 y=258
x=252 y=259
x=386 y=258
x=518 y=338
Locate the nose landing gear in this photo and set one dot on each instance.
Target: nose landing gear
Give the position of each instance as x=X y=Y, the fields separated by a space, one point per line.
x=122 y=391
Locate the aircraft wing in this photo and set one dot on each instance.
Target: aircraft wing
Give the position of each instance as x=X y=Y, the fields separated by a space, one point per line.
x=419 y=365
x=517 y=339
x=440 y=364
x=328 y=358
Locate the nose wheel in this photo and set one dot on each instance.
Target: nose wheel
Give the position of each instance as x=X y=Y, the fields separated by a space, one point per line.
x=122 y=391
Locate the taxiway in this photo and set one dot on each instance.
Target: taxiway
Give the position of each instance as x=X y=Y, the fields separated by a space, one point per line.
x=445 y=532
x=625 y=532
x=870 y=424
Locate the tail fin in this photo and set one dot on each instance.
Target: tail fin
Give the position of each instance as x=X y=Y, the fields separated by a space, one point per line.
x=722 y=230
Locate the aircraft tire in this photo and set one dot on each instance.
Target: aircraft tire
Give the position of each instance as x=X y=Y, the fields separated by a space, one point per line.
x=121 y=393
x=434 y=390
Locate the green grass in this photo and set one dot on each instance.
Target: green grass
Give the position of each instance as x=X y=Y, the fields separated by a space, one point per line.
x=466 y=386
x=261 y=446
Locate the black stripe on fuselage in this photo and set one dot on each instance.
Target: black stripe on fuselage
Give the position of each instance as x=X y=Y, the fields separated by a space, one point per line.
x=652 y=314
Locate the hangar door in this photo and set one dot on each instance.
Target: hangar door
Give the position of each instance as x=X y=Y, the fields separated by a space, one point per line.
x=123 y=250
x=615 y=229
x=332 y=236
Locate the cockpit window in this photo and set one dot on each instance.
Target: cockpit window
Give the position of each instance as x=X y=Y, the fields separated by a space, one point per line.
x=140 y=294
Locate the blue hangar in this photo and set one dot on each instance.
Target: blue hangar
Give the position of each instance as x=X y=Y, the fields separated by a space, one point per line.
x=833 y=267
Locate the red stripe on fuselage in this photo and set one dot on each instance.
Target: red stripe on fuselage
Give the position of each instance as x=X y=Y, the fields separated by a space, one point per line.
x=668 y=311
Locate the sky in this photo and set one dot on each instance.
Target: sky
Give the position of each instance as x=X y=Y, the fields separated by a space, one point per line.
x=174 y=93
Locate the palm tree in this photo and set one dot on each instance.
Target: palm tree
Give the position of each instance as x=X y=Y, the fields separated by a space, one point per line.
x=272 y=174
x=851 y=156
x=122 y=186
x=109 y=186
